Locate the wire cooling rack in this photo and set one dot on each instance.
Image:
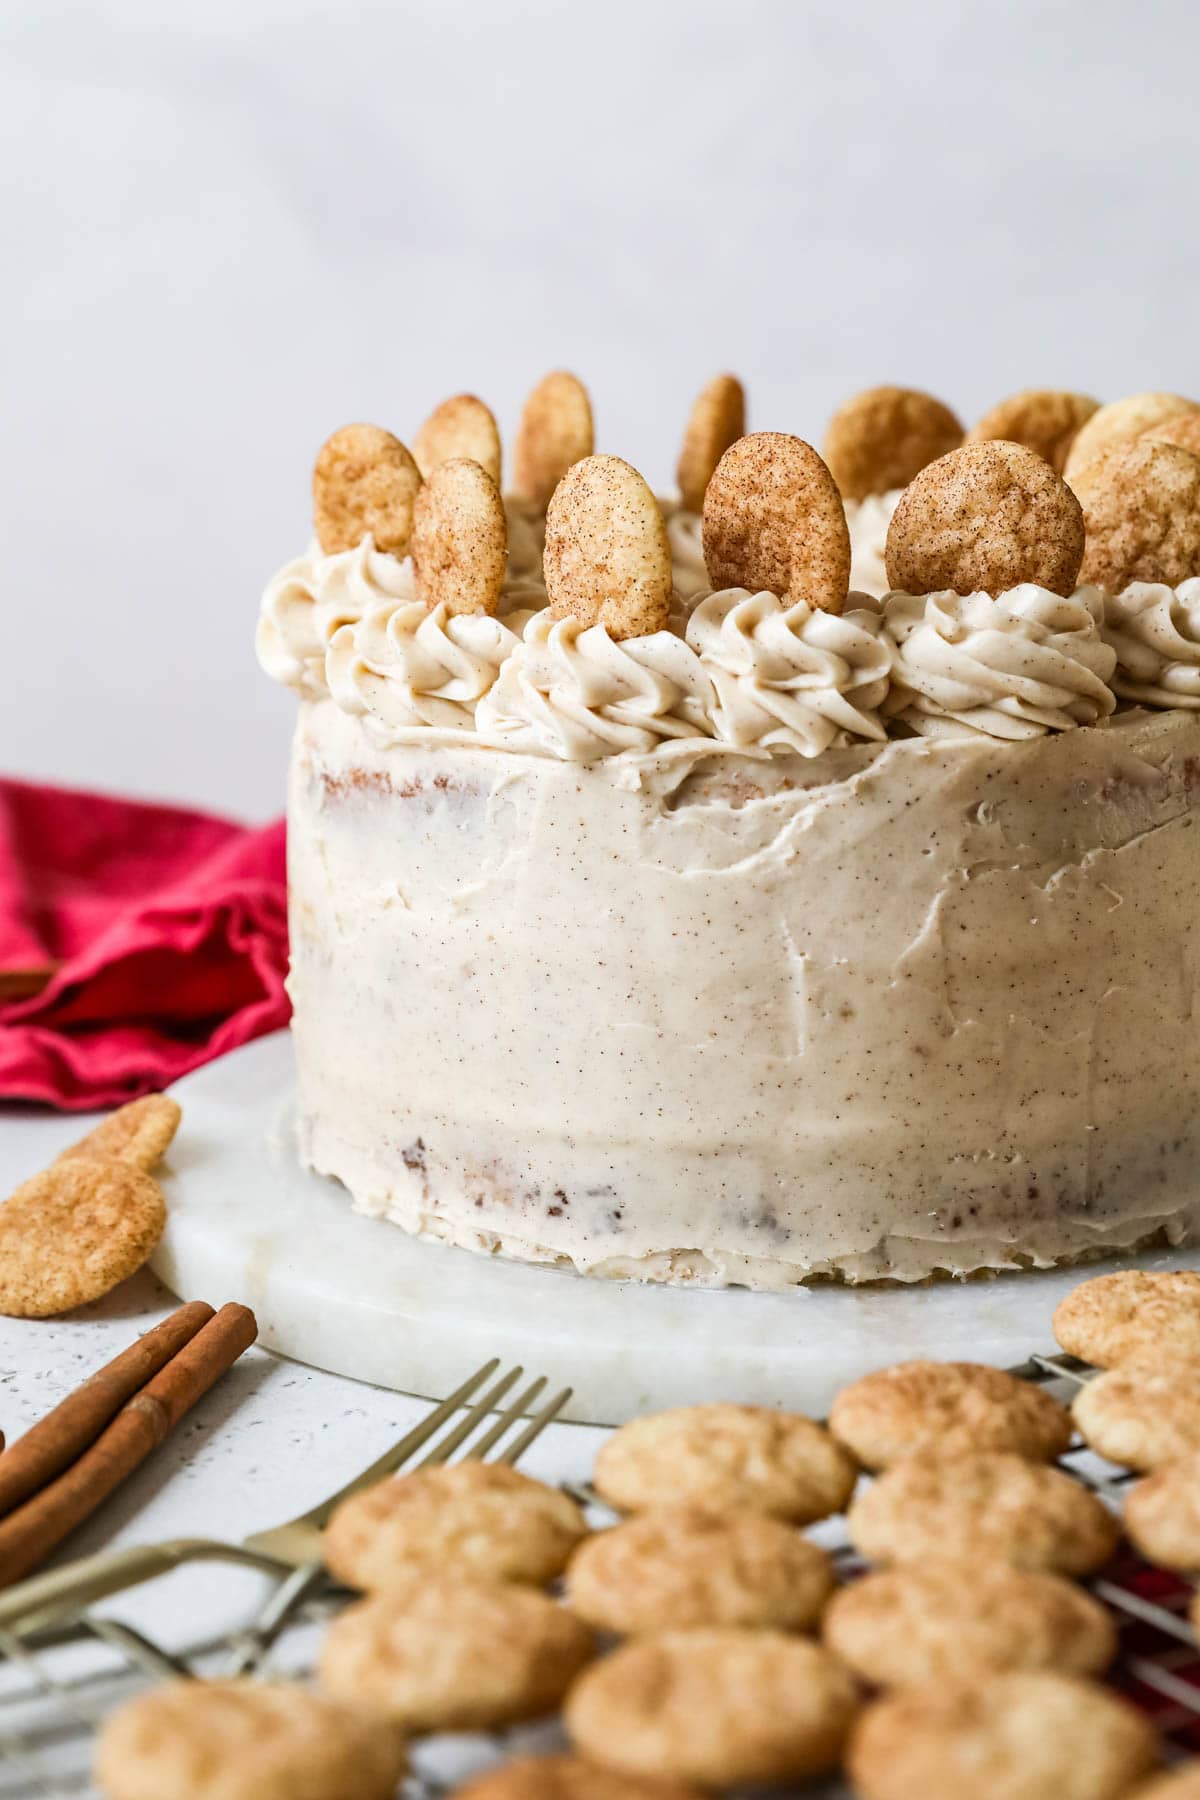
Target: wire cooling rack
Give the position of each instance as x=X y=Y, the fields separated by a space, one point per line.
x=57 y=1685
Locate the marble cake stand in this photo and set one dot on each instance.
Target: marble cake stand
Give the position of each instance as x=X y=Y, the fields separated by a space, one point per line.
x=358 y=1297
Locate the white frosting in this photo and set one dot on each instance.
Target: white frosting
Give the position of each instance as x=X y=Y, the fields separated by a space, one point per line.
x=1012 y=666
x=574 y=692
x=312 y=597
x=1155 y=633
x=685 y=533
x=709 y=1015
x=402 y=665
x=868 y=522
x=788 y=676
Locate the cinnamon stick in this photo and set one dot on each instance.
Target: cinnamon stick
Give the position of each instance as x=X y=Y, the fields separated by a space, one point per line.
x=29 y=1534
x=51 y=1445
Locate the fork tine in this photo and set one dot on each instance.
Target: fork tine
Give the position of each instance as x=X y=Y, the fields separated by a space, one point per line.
x=399 y=1453
x=536 y=1426
x=516 y=1409
x=443 y=1451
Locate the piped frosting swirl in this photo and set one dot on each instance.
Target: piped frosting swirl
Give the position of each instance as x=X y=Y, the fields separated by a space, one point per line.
x=573 y=691
x=1015 y=665
x=1154 y=631
x=789 y=676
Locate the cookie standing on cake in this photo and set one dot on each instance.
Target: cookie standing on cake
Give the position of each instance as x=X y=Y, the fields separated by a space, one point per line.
x=666 y=907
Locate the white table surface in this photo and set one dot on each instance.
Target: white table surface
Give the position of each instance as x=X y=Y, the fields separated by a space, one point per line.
x=268 y=1441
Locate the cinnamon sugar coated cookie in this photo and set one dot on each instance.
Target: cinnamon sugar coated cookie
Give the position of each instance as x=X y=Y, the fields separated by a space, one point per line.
x=1016 y=1736
x=1046 y=420
x=1141 y=506
x=479 y=1519
x=74 y=1233
x=945 y=1620
x=460 y=426
x=567 y=1778
x=718 y=419
x=1119 y=423
x=460 y=539
x=139 y=1133
x=607 y=559
x=443 y=1654
x=727 y=1459
x=718 y=1707
x=246 y=1740
x=1116 y=1318
x=682 y=1567
x=364 y=481
x=881 y=438
x=555 y=432
x=987 y=1506
x=946 y=1408
x=1180 y=428
x=1142 y=1416
x=774 y=521
x=983 y=520
x=1162 y=1514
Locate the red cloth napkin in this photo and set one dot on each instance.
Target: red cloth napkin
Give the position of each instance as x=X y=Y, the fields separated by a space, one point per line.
x=171 y=931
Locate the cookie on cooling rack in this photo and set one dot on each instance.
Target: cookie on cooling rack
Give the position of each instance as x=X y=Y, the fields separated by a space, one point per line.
x=477 y=1518
x=1016 y=1736
x=1142 y=1417
x=682 y=1567
x=1162 y=1515
x=726 y=1459
x=943 y=1621
x=947 y=1408
x=444 y=1654
x=1130 y=1314
x=720 y=1707
x=567 y=1778
x=991 y=1506
x=246 y=1740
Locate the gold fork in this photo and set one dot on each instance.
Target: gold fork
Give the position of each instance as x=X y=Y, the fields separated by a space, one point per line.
x=296 y=1545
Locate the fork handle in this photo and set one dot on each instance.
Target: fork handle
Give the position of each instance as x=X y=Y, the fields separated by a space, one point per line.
x=44 y=1597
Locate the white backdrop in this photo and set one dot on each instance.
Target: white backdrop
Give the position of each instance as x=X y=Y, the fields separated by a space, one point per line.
x=230 y=225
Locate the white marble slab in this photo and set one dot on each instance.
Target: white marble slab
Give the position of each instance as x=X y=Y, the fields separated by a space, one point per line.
x=359 y=1297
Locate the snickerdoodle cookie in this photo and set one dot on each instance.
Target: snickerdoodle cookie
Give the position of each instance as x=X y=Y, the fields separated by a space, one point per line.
x=1014 y=1736
x=881 y=438
x=681 y=1567
x=1116 y=1318
x=139 y=1133
x=1140 y=1416
x=1119 y=422
x=1162 y=1514
x=946 y=1408
x=1141 y=509
x=942 y=1621
x=246 y=1740
x=720 y=1707
x=73 y=1233
x=607 y=559
x=774 y=522
x=1043 y=419
x=717 y=419
x=365 y=481
x=727 y=1459
x=985 y=519
x=987 y=1506
x=476 y=1518
x=448 y=1655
